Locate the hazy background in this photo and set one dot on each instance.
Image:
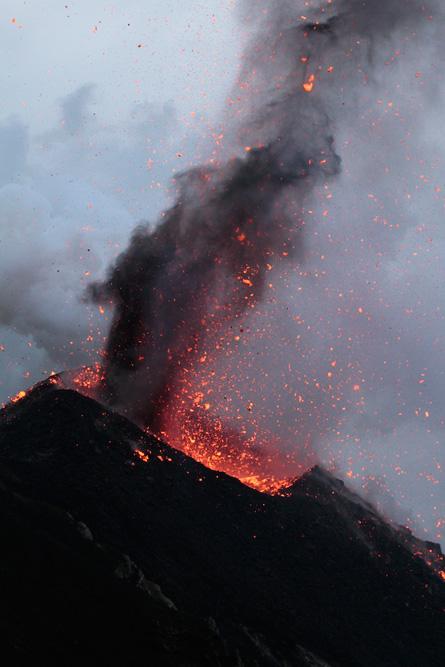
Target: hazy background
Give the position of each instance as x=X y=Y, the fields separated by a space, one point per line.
x=102 y=104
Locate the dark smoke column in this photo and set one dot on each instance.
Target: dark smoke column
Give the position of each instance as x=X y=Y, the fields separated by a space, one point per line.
x=204 y=266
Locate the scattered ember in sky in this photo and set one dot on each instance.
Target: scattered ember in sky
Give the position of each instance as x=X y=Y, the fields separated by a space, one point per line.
x=204 y=348
x=87 y=380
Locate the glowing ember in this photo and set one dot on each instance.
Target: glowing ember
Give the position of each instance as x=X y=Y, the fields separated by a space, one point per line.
x=266 y=484
x=142 y=455
x=88 y=380
x=309 y=84
x=18 y=397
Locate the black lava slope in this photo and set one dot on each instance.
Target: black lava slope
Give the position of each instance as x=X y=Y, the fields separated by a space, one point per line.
x=109 y=559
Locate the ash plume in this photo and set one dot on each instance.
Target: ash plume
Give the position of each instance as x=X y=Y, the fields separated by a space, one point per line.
x=204 y=267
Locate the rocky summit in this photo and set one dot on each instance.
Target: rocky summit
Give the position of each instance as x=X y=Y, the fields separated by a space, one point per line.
x=118 y=549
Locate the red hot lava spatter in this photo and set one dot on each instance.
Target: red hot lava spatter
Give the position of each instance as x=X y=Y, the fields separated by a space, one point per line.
x=191 y=428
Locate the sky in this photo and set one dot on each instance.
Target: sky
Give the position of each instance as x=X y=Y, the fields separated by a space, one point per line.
x=103 y=103
x=135 y=52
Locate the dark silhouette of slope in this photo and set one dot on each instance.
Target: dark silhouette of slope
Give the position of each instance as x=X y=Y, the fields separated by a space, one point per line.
x=109 y=557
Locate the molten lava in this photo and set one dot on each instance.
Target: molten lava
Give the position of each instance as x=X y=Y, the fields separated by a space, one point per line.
x=188 y=426
x=221 y=448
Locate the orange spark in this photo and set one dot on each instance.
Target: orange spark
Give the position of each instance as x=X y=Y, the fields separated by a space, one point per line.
x=142 y=455
x=308 y=85
x=18 y=397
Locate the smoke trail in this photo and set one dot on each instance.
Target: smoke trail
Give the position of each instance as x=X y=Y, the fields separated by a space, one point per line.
x=177 y=289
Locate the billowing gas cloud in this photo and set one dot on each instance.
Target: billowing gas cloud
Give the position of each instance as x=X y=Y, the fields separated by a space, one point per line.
x=82 y=163
x=69 y=199
x=261 y=302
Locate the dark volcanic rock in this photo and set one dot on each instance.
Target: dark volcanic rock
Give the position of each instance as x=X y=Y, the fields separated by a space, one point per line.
x=107 y=558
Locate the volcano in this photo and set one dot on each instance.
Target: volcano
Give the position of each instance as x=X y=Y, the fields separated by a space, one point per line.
x=118 y=549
